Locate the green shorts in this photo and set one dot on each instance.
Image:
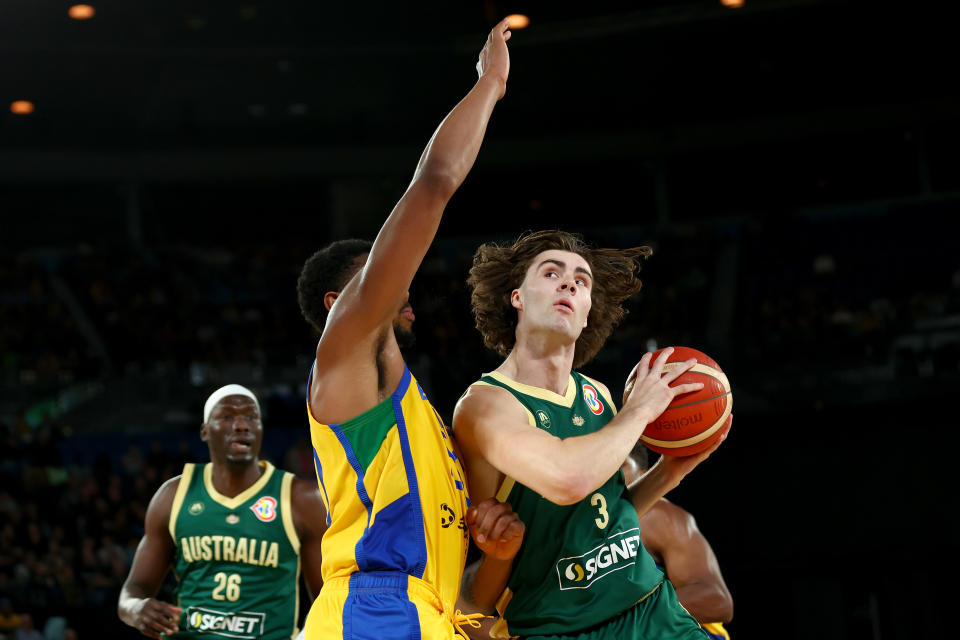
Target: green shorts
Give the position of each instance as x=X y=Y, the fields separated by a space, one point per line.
x=659 y=617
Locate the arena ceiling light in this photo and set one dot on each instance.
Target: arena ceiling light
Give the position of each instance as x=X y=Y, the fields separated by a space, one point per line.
x=21 y=107
x=81 y=12
x=518 y=21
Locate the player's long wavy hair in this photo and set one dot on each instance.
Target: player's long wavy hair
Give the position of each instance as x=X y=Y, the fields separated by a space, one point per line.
x=498 y=270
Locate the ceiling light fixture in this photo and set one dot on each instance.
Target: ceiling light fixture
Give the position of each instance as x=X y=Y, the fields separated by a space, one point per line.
x=21 y=107
x=81 y=12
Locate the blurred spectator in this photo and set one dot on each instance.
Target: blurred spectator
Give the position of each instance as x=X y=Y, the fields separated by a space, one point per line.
x=9 y=620
x=26 y=630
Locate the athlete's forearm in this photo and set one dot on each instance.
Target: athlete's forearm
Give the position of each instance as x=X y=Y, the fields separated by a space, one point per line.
x=484 y=582
x=131 y=600
x=451 y=152
x=591 y=459
x=650 y=487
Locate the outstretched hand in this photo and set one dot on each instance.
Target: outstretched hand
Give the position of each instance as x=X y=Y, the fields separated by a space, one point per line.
x=495 y=58
x=496 y=529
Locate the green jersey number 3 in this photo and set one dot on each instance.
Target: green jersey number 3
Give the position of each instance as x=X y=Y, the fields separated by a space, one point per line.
x=600 y=503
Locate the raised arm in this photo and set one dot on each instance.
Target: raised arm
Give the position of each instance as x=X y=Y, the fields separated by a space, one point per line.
x=492 y=429
x=671 y=532
x=377 y=291
x=137 y=605
x=310 y=521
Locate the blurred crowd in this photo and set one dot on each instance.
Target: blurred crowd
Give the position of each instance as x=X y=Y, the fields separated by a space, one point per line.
x=816 y=295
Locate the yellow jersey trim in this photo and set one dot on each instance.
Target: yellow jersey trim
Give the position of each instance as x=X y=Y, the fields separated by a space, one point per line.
x=178 y=499
x=286 y=512
x=243 y=496
x=499 y=628
x=565 y=400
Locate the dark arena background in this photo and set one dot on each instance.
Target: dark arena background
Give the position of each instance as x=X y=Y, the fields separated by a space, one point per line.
x=166 y=167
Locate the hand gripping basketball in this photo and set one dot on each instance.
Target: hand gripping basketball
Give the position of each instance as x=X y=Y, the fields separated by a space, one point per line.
x=694 y=419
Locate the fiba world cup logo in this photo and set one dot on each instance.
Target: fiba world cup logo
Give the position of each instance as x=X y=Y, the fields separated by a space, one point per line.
x=592 y=398
x=265 y=509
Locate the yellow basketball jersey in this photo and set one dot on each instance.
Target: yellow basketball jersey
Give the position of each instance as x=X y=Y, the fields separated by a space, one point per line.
x=395 y=493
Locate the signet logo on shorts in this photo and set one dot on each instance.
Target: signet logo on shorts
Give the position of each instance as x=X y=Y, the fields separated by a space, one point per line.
x=246 y=625
x=617 y=552
x=265 y=509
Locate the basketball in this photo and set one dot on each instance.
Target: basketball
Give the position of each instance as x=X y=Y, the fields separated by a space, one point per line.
x=693 y=421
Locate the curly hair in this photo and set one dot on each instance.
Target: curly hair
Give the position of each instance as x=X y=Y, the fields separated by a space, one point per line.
x=329 y=269
x=498 y=270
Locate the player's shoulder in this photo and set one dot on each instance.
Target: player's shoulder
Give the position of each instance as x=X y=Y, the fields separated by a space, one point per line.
x=169 y=488
x=482 y=398
x=671 y=518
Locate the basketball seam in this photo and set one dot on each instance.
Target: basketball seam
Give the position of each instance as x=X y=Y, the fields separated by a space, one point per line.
x=690 y=404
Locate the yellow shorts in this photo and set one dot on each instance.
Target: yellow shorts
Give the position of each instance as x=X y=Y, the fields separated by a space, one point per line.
x=378 y=606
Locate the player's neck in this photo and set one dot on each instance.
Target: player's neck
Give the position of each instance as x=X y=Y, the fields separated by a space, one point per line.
x=233 y=479
x=539 y=364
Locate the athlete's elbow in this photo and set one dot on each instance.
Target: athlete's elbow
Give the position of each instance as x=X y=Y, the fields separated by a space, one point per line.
x=569 y=488
x=726 y=613
x=439 y=180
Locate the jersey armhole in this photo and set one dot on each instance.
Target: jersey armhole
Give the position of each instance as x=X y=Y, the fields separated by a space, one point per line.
x=178 y=497
x=286 y=512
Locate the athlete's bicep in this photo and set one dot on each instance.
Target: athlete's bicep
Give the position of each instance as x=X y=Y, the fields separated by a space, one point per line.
x=154 y=554
x=686 y=552
x=493 y=425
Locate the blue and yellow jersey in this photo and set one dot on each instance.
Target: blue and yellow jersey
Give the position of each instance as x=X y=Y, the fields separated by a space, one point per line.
x=715 y=630
x=395 y=495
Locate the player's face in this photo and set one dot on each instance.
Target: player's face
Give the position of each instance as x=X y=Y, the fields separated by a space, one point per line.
x=403 y=324
x=234 y=431
x=555 y=294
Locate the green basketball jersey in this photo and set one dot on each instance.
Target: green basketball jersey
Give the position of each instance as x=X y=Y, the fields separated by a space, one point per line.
x=238 y=559
x=580 y=564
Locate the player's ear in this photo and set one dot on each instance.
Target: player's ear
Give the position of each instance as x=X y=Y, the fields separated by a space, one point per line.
x=329 y=298
x=515 y=301
x=204 y=434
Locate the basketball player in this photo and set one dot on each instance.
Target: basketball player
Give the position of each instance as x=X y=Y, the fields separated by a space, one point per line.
x=388 y=472
x=670 y=535
x=237 y=533
x=548 y=440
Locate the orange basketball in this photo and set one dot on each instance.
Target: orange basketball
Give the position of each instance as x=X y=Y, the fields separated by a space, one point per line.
x=693 y=421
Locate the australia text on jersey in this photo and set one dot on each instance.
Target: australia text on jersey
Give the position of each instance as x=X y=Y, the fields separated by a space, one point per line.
x=261 y=553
